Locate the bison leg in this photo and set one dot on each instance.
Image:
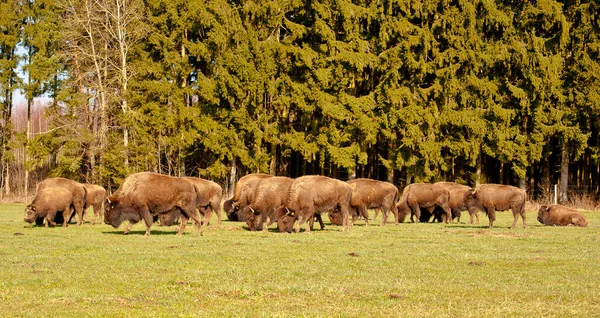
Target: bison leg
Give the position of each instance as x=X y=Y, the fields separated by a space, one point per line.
x=97 y=212
x=491 y=212
x=364 y=213
x=191 y=213
x=65 y=214
x=320 y=220
x=415 y=211
x=377 y=213
x=384 y=216
x=516 y=211
x=448 y=214
x=184 y=220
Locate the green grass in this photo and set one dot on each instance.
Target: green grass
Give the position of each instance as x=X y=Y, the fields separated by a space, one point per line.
x=412 y=270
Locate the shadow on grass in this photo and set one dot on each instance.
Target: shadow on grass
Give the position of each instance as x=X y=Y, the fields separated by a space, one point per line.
x=143 y=232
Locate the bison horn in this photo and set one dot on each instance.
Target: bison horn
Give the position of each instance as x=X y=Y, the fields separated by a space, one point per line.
x=108 y=200
x=290 y=213
x=251 y=209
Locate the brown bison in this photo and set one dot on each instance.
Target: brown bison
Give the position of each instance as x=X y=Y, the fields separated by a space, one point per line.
x=243 y=195
x=77 y=190
x=146 y=194
x=498 y=197
x=269 y=195
x=47 y=203
x=95 y=198
x=561 y=215
x=423 y=195
x=209 y=198
x=311 y=194
x=369 y=194
x=457 y=202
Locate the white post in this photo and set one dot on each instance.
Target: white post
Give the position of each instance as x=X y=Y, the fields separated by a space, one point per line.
x=555 y=193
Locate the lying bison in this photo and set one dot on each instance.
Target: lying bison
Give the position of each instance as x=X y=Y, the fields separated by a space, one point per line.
x=47 y=203
x=209 y=197
x=498 y=197
x=243 y=195
x=95 y=198
x=423 y=195
x=77 y=190
x=311 y=194
x=146 y=194
x=369 y=194
x=561 y=215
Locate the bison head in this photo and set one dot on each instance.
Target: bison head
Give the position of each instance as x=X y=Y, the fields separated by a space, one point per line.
x=285 y=219
x=253 y=218
x=112 y=212
x=169 y=218
x=336 y=217
x=403 y=211
x=31 y=214
x=543 y=214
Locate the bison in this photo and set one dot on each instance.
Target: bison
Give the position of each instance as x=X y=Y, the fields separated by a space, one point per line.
x=209 y=198
x=369 y=194
x=561 y=215
x=243 y=195
x=269 y=195
x=311 y=194
x=498 y=197
x=457 y=201
x=47 y=203
x=144 y=195
x=423 y=195
x=95 y=198
x=77 y=190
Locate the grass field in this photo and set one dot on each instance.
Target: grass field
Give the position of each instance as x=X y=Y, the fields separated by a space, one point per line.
x=411 y=270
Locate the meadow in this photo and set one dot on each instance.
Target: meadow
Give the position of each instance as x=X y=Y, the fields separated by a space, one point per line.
x=410 y=270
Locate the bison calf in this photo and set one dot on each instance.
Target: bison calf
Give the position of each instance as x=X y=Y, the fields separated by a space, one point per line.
x=561 y=215
x=47 y=203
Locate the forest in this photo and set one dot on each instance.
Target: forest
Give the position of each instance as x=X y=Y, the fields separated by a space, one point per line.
x=472 y=91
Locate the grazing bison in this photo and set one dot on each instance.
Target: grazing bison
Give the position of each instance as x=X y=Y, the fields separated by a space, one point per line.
x=269 y=195
x=77 y=190
x=498 y=197
x=47 y=203
x=373 y=194
x=94 y=198
x=457 y=202
x=561 y=215
x=369 y=194
x=145 y=195
x=309 y=195
x=209 y=198
x=423 y=195
x=243 y=195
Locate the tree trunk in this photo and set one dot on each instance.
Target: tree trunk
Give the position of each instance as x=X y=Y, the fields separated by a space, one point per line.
x=564 y=173
x=273 y=164
x=478 y=169
x=232 y=177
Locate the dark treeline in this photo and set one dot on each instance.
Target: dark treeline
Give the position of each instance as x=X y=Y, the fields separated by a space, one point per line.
x=404 y=91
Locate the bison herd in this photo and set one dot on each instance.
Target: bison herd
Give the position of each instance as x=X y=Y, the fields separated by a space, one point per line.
x=261 y=200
